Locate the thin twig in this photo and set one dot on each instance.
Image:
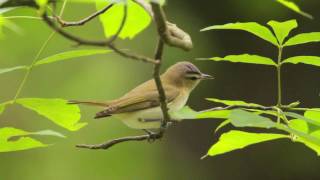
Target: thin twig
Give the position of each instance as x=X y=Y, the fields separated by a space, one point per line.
x=240 y=106
x=113 y=142
x=106 y=43
x=168 y=33
x=83 y=21
x=123 y=22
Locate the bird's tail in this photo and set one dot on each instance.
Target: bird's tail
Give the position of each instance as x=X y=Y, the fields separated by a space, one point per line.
x=92 y=103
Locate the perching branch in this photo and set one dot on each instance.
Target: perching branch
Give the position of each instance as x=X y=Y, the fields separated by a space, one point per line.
x=162 y=95
x=113 y=142
x=168 y=34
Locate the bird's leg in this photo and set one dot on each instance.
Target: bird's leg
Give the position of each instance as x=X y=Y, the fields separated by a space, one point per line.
x=152 y=135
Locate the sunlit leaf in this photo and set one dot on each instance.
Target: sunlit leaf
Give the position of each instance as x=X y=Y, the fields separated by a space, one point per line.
x=71 y=55
x=303 y=38
x=310 y=60
x=137 y=19
x=231 y=102
x=2 y=20
x=218 y=114
x=5 y=70
x=56 y=110
x=185 y=113
x=282 y=29
x=241 y=118
x=41 y=3
x=23 y=143
x=251 y=27
x=299 y=125
x=223 y=124
x=18 y=3
x=291 y=5
x=312 y=146
x=300 y=134
x=310 y=119
x=244 y=58
x=48 y=133
x=2 y=107
x=234 y=140
x=12 y=139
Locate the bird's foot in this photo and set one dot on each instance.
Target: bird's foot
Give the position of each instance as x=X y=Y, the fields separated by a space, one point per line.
x=152 y=135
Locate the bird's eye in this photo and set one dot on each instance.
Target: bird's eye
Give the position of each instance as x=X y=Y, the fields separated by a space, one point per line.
x=192 y=77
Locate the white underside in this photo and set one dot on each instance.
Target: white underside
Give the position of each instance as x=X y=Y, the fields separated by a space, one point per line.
x=135 y=119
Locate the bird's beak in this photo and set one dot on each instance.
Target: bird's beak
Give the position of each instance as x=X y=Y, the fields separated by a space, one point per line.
x=206 y=76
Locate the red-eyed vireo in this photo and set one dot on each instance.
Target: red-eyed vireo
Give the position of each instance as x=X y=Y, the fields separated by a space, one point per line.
x=140 y=107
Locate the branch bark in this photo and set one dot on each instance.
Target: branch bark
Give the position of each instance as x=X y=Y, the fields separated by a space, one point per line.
x=168 y=33
x=83 y=21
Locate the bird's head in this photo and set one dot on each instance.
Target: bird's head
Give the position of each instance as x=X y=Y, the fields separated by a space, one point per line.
x=185 y=75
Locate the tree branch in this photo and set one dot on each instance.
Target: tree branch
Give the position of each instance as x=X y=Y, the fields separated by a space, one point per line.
x=64 y=23
x=170 y=33
x=107 y=43
x=240 y=106
x=157 y=79
x=113 y=142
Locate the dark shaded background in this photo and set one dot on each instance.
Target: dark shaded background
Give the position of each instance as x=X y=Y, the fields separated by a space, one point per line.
x=177 y=156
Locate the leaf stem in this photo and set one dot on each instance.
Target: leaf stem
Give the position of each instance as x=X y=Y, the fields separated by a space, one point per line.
x=29 y=68
x=279 y=103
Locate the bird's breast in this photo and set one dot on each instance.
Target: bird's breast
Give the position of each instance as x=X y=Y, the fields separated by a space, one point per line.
x=179 y=102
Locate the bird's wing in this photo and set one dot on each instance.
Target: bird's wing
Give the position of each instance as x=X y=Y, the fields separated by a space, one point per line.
x=138 y=100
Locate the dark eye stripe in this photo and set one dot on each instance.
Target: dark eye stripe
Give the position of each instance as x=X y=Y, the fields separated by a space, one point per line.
x=193 y=77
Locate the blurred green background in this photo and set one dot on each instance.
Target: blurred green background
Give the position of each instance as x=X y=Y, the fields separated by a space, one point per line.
x=177 y=155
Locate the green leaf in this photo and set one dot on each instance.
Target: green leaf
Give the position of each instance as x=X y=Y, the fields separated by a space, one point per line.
x=231 y=102
x=185 y=113
x=241 y=118
x=137 y=19
x=5 y=70
x=23 y=143
x=306 y=137
x=251 y=27
x=307 y=117
x=294 y=7
x=234 y=140
x=299 y=125
x=12 y=139
x=310 y=60
x=218 y=114
x=303 y=38
x=48 y=132
x=223 y=124
x=71 y=55
x=282 y=29
x=2 y=107
x=41 y=3
x=312 y=146
x=244 y=58
x=56 y=110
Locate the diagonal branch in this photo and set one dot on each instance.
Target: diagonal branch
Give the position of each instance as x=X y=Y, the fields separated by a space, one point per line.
x=82 y=41
x=83 y=21
x=168 y=33
x=113 y=142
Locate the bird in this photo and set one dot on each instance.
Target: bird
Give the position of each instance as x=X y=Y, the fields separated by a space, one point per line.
x=140 y=107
